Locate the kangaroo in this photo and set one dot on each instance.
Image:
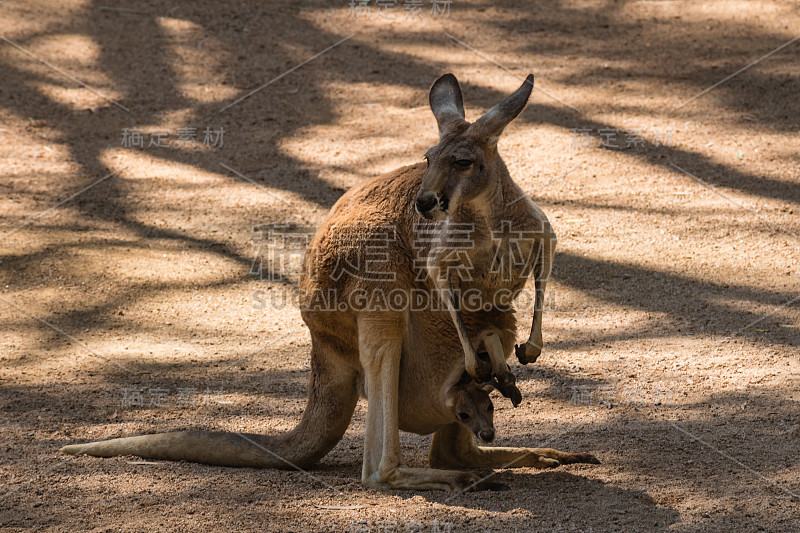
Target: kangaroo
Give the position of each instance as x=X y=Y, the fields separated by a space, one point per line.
x=399 y=303
x=467 y=183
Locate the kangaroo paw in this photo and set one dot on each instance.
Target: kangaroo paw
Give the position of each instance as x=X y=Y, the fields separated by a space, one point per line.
x=508 y=388
x=527 y=353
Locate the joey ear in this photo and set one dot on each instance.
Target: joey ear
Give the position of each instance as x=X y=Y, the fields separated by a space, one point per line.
x=449 y=401
x=446 y=102
x=491 y=125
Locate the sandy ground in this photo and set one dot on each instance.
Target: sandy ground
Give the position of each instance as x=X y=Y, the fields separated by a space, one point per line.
x=128 y=302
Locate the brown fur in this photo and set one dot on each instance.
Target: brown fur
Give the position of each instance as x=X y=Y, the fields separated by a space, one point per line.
x=402 y=359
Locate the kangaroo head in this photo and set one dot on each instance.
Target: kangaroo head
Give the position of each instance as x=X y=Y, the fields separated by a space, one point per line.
x=471 y=406
x=464 y=167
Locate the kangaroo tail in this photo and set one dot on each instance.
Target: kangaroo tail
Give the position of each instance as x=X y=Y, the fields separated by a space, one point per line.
x=332 y=398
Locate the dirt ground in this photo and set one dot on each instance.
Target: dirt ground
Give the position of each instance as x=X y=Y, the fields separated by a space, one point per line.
x=129 y=301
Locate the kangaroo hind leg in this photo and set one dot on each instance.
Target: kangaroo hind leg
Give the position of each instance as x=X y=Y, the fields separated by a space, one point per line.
x=380 y=347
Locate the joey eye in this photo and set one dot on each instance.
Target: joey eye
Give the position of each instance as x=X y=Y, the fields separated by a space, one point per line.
x=463 y=164
x=463 y=417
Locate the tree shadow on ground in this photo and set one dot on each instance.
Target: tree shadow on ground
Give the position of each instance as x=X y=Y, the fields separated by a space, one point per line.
x=693 y=303
x=139 y=62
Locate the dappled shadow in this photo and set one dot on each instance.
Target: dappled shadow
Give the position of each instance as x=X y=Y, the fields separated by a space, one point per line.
x=692 y=50
x=138 y=60
x=263 y=42
x=674 y=159
x=693 y=303
x=677 y=445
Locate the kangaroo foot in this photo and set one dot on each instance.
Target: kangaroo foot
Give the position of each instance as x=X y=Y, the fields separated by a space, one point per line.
x=410 y=478
x=567 y=458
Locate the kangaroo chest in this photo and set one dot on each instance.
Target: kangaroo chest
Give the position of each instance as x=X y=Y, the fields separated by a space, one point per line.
x=481 y=257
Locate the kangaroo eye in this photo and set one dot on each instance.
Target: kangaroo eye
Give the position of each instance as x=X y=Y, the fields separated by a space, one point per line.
x=463 y=164
x=427 y=161
x=463 y=417
x=490 y=408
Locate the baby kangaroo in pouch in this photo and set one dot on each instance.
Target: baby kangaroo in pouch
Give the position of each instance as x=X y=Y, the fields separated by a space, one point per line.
x=404 y=358
x=472 y=406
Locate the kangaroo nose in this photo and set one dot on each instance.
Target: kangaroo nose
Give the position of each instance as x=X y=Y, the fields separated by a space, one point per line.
x=487 y=435
x=426 y=201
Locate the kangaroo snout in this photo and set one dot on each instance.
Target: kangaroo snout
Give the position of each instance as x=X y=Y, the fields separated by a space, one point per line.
x=426 y=202
x=486 y=435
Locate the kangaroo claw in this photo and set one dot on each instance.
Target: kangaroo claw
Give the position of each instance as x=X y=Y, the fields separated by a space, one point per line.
x=509 y=389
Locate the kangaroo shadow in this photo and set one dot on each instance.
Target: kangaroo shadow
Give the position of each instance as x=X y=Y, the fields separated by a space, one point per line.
x=547 y=501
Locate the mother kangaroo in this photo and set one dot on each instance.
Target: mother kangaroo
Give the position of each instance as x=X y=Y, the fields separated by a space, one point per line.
x=407 y=284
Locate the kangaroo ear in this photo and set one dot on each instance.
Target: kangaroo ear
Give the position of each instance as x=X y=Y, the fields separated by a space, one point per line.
x=490 y=126
x=446 y=102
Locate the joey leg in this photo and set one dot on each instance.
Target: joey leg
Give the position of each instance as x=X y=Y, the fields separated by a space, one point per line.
x=453 y=447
